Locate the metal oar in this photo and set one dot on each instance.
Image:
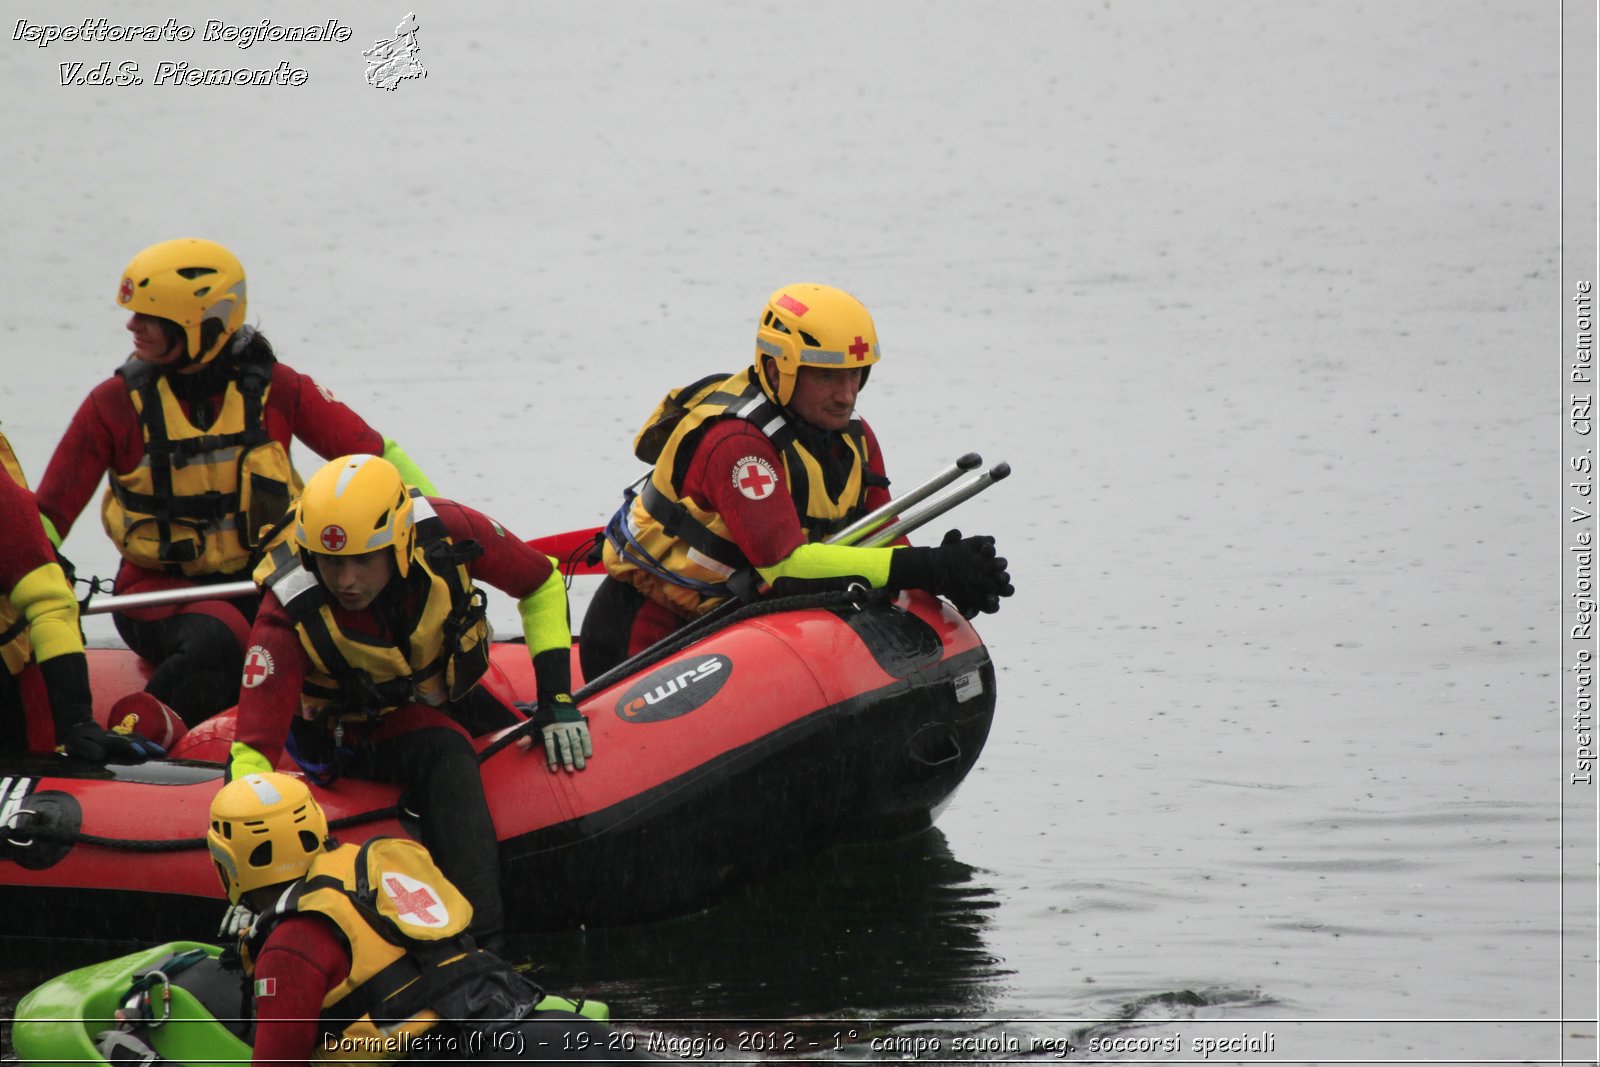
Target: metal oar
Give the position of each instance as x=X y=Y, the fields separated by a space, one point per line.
x=932 y=509
x=558 y=545
x=865 y=525
x=159 y=597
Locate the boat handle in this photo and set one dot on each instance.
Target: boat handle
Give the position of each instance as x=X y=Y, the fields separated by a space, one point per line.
x=955 y=751
x=11 y=825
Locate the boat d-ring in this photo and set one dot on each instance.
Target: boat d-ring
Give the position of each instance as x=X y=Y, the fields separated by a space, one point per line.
x=10 y=826
x=55 y=820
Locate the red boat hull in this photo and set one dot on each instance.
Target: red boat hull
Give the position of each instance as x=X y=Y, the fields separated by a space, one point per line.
x=770 y=739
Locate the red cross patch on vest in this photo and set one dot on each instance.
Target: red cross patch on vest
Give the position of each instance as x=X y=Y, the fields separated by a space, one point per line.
x=414 y=902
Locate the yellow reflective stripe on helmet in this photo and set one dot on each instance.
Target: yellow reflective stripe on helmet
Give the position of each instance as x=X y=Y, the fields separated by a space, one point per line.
x=544 y=616
x=45 y=599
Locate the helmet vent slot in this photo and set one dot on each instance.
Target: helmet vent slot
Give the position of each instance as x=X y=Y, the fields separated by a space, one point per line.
x=309 y=842
x=191 y=273
x=811 y=342
x=261 y=855
x=777 y=324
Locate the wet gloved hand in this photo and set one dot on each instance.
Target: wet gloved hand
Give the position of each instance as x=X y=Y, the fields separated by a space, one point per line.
x=564 y=729
x=235 y=921
x=87 y=740
x=965 y=570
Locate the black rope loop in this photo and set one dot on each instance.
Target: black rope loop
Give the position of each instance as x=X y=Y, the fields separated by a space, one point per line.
x=855 y=597
x=180 y=844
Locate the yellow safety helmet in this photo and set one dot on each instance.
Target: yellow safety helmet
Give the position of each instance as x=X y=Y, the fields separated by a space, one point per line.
x=355 y=505
x=195 y=283
x=265 y=830
x=813 y=326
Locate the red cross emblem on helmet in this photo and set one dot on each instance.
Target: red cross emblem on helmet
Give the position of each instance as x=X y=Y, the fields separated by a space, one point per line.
x=125 y=290
x=333 y=538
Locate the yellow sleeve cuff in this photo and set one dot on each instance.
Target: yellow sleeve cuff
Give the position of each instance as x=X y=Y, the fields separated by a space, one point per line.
x=410 y=473
x=243 y=760
x=545 y=624
x=45 y=599
x=817 y=560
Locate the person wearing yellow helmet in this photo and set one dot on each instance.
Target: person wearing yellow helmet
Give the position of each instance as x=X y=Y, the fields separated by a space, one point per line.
x=366 y=652
x=45 y=700
x=362 y=951
x=750 y=472
x=194 y=431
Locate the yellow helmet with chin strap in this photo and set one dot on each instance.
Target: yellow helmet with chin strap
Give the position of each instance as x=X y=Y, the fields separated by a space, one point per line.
x=265 y=830
x=355 y=505
x=195 y=283
x=809 y=325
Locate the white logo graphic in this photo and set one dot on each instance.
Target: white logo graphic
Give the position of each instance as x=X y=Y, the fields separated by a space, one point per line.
x=393 y=61
x=754 y=477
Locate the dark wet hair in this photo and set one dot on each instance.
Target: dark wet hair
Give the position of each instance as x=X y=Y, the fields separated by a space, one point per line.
x=174 y=333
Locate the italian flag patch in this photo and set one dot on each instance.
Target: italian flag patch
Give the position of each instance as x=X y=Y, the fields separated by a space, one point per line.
x=267 y=987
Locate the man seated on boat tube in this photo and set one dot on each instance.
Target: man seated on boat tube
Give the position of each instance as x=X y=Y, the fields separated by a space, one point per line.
x=751 y=472
x=371 y=638
x=192 y=434
x=45 y=700
x=360 y=953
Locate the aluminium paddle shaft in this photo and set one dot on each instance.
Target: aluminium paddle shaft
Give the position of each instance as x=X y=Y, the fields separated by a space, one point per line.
x=159 y=597
x=868 y=523
x=929 y=510
x=916 y=507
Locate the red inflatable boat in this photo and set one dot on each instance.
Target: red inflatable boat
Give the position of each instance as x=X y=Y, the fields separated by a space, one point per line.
x=793 y=726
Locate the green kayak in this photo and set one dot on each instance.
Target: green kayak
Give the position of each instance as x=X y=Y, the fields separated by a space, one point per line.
x=176 y=1000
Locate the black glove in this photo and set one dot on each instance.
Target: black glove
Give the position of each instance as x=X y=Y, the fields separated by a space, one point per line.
x=66 y=679
x=88 y=741
x=963 y=569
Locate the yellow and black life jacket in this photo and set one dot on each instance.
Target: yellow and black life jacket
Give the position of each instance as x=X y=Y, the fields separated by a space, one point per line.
x=198 y=498
x=411 y=963
x=14 y=646
x=359 y=676
x=677 y=552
